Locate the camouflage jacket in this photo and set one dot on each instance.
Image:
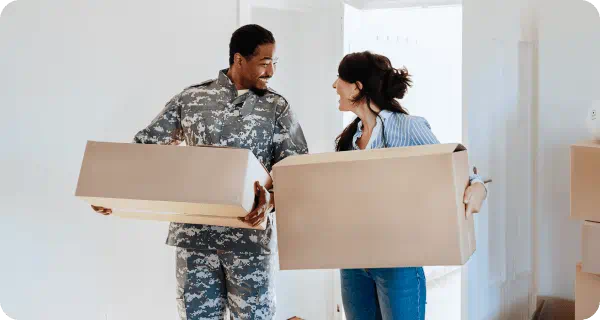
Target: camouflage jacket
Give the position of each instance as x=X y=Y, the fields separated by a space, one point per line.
x=212 y=113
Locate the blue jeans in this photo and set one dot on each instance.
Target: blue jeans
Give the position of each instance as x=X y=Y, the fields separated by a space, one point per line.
x=388 y=294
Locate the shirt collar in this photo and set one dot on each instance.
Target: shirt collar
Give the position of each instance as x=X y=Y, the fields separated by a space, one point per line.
x=383 y=114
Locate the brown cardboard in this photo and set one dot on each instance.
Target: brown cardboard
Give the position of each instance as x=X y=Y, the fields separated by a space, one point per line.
x=590 y=247
x=587 y=294
x=374 y=208
x=585 y=181
x=204 y=185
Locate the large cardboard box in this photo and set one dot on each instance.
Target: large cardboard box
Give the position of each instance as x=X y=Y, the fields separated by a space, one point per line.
x=375 y=208
x=585 y=181
x=587 y=294
x=590 y=247
x=201 y=185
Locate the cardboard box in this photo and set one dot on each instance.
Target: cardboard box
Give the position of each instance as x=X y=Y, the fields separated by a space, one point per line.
x=590 y=247
x=585 y=181
x=201 y=185
x=374 y=208
x=587 y=294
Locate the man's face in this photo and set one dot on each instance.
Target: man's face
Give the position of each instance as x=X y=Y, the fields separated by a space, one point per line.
x=258 y=69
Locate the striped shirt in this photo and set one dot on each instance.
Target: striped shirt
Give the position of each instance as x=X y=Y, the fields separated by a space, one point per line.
x=401 y=130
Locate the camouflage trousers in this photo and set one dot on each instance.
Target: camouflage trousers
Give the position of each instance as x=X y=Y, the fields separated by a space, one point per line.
x=210 y=283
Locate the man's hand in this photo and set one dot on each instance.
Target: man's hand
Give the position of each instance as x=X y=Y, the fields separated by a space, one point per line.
x=102 y=210
x=475 y=194
x=263 y=204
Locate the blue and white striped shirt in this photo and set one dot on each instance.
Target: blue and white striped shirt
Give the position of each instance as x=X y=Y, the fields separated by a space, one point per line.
x=401 y=130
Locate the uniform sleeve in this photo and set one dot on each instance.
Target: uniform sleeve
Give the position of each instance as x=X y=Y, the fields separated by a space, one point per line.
x=165 y=128
x=288 y=138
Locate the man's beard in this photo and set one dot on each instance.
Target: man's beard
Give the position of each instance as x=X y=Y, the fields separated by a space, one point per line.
x=259 y=92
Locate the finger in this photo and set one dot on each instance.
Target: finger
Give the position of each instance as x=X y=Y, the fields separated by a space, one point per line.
x=257 y=216
x=252 y=214
x=100 y=210
x=468 y=211
x=255 y=211
x=259 y=220
x=257 y=192
x=468 y=195
x=262 y=198
x=256 y=187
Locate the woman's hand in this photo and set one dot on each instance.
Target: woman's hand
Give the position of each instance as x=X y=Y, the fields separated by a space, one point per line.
x=475 y=194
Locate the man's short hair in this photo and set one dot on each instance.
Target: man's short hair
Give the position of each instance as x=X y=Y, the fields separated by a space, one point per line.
x=247 y=39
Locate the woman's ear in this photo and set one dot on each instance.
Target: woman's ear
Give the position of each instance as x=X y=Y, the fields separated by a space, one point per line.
x=359 y=85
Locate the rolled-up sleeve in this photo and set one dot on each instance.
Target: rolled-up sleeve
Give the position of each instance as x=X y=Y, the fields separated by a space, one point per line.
x=166 y=126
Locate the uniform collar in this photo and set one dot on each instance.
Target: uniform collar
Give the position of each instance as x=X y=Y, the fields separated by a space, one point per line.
x=248 y=99
x=224 y=81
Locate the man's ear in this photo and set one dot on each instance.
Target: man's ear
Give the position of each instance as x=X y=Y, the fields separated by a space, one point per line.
x=238 y=59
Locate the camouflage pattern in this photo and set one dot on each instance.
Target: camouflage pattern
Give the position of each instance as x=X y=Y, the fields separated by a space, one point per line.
x=212 y=113
x=222 y=269
x=210 y=283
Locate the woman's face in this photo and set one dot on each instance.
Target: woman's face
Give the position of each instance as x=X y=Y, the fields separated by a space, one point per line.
x=346 y=91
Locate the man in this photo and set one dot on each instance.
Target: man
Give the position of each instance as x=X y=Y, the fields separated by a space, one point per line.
x=220 y=267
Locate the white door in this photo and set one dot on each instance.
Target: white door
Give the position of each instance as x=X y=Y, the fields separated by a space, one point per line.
x=309 y=46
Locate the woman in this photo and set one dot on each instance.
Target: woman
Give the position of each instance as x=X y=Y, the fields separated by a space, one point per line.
x=368 y=86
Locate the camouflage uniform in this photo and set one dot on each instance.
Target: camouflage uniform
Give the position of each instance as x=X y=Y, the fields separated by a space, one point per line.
x=221 y=266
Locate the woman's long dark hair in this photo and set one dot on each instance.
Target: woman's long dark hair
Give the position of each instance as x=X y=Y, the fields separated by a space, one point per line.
x=382 y=85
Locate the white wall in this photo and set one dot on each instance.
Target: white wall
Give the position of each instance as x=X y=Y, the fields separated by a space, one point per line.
x=563 y=35
x=428 y=42
x=101 y=70
x=499 y=137
x=90 y=70
x=569 y=46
